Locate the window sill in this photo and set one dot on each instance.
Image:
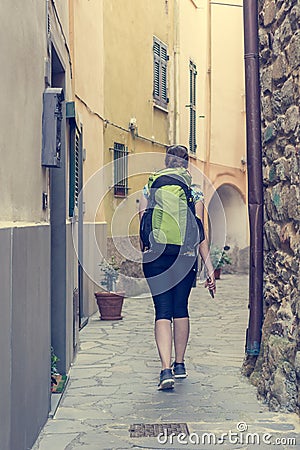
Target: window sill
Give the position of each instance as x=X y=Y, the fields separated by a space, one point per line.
x=161 y=108
x=121 y=194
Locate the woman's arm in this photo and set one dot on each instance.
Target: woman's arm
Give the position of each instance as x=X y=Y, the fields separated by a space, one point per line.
x=204 y=251
x=142 y=207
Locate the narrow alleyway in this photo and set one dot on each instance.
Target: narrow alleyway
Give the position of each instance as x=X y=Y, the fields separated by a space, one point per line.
x=113 y=383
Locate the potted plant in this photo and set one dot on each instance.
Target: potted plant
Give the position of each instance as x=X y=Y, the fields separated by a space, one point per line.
x=219 y=259
x=109 y=301
x=54 y=372
x=58 y=381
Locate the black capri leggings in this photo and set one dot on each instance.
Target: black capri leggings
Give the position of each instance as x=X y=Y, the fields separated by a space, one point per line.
x=170 y=279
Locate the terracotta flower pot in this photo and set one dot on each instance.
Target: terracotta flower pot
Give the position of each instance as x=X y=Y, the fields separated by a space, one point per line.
x=217 y=273
x=110 y=305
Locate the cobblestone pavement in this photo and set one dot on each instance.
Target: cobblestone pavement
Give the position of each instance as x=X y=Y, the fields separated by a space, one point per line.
x=113 y=383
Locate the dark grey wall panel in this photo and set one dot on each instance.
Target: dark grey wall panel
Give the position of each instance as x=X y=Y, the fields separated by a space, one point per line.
x=30 y=334
x=71 y=284
x=5 y=337
x=59 y=263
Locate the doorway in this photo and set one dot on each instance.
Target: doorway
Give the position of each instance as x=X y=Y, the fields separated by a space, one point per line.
x=57 y=178
x=229 y=224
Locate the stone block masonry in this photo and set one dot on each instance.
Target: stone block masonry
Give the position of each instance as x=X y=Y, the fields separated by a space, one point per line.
x=277 y=371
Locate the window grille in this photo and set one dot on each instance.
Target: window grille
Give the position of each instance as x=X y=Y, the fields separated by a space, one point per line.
x=160 y=81
x=192 y=106
x=120 y=170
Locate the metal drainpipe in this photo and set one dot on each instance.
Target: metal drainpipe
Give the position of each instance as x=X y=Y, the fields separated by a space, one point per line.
x=255 y=180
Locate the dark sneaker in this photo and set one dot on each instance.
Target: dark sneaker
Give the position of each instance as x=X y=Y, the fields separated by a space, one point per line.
x=179 y=370
x=166 y=380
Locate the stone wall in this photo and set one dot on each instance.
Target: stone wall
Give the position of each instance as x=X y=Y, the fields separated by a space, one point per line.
x=277 y=371
x=127 y=255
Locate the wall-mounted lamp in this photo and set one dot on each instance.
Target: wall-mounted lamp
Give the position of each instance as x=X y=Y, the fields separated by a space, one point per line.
x=244 y=164
x=132 y=124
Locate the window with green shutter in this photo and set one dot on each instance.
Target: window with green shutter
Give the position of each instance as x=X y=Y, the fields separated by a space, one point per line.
x=75 y=167
x=160 y=76
x=120 y=170
x=192 y=107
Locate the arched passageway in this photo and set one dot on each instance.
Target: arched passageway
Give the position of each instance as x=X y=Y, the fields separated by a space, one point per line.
x=229 y=224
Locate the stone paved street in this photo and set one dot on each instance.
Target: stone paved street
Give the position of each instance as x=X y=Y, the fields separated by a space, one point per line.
x=113 y=382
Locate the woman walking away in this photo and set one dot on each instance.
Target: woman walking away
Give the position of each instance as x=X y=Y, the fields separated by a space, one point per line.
x=171 y=238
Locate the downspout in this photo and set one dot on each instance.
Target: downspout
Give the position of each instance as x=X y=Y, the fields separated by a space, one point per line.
x=255 y=179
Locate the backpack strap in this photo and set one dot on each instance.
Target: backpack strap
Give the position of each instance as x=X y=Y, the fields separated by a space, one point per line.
x=169 y=180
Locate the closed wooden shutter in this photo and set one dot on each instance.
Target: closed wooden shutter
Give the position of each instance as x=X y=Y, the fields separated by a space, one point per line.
x=75 y=168
x=160 y=72
x=192 y=106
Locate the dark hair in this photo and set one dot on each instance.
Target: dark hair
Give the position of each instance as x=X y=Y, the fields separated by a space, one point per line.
x=177 y=156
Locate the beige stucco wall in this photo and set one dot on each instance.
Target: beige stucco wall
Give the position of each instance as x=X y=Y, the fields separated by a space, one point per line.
x=128 y=38
x=119 y=47
x=227 y=153
x=192 y=42
x=227 y=78
x=21 y=109
x=22 y=82
x=86 y=19
x=113 y=82
x=211 y=35
x=128 y=92
x=208 y=36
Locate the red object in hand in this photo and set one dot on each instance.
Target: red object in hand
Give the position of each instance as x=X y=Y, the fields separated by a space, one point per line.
x=211 y=291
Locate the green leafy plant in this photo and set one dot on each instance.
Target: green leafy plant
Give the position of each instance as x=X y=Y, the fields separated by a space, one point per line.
x=110 y=271
x=219 y=256
x=54 y=360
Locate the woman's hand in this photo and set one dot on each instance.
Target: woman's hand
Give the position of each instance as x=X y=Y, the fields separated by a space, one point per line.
x=211 y=285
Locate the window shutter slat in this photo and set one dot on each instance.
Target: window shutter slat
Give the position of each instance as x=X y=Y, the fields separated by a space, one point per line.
x=164 y=53
x=164 y=83
x=156 y=48
x=156 y=78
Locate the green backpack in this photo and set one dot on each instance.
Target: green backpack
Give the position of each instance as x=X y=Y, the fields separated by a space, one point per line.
x=170 y=220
